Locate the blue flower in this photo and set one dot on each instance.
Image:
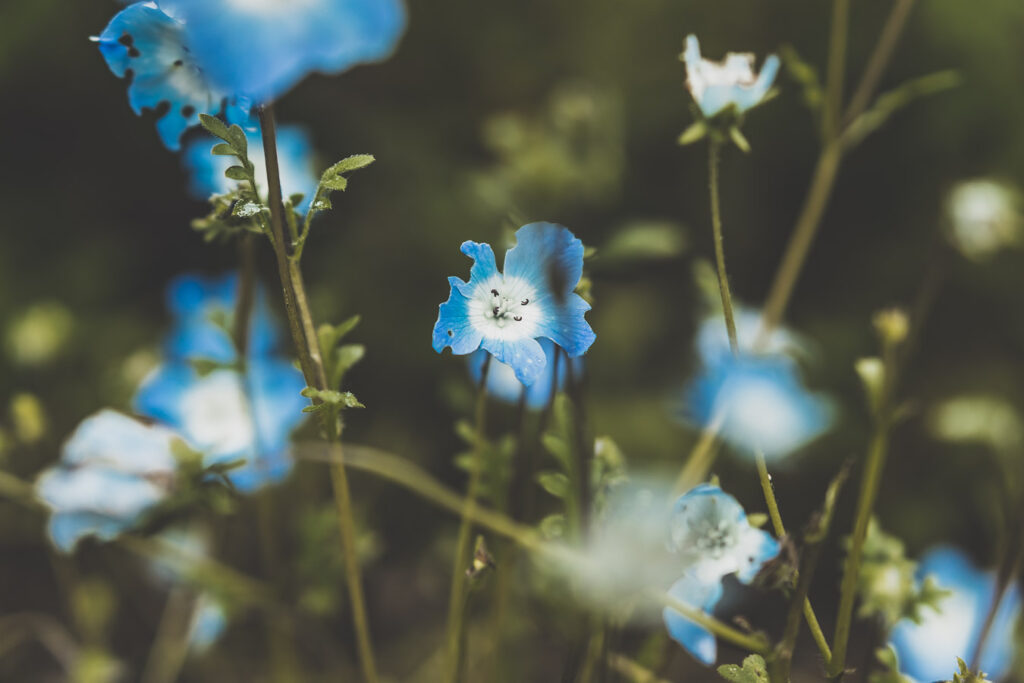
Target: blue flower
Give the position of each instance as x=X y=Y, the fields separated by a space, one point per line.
x=295 y=158
x=716 y=86
x=506 y=313
x=112 y=470
x=928 y=650
x=503 y=385
x=713 y=338
x=761 y=402
x=208 y=623
x=150 y=45
x=226 y=414
x=261 y=48
x=711 y=535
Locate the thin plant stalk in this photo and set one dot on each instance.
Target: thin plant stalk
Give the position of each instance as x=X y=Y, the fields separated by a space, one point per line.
x=457 y=597
x=300 y=321
x=714 y=152
x=170 y=647
x=836 y=69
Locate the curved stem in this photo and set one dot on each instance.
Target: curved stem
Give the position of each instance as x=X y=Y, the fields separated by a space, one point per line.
x=716 y=226
x=457 y=596
x=836 y=69
x=879 y=60
x=300 y=321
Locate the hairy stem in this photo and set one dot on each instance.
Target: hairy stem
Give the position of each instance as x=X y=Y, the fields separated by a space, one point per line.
x=714 y=152
x=463 y=548
x=300 y=321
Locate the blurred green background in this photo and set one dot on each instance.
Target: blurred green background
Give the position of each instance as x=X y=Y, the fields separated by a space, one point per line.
x=491 y=115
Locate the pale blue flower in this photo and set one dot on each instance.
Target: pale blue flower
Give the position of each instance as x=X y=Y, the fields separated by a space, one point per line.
x=716 y=86
x=261 y=48
x=295 y=160
x=506 y=313
x=503 y=385
x=149 y=45
x=710 y=533
x=113 y=469
x=209 y=622
x=761 y=403
x=713 y=337
x=226 y=414
x=928 y=650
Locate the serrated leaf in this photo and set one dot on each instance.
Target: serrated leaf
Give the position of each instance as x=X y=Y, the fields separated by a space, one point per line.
x=296 y=198
x=236 y=173
x=336 y=183
x=754 y=670
x=223 y=149
x=555 y=483
x=214 y=126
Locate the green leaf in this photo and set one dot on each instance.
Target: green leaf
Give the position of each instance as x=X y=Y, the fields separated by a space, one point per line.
x=552 y=526
x=334 y=399
x=348 y=164
x=804 y=74
x=330 y=335
x=336 y=183
x=223 y=149
x=555 y=483
x=696 y=132
x=754 y=670
x=236 y=136
x=236 y=173
x=757 y=519
x=214 y=126
x=891 y=102
x=344 y=358
x=738 y=139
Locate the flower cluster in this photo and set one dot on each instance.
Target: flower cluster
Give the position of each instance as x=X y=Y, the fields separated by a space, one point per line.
x=506 y=313
x=710 y=534
x=191 y=57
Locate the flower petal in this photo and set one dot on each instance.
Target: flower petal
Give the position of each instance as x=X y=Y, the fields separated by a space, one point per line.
x=701 y=595
x=549 y=256
x=524 y=356
x=453 y=327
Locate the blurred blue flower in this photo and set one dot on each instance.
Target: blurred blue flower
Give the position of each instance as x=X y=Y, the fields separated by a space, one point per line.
x=208 y=623
x=732 y=82
x=295 y=159
x=112 y=470
x=505 y=314
x=710 y=533
x=503 y=385
x=762 y=403
x=928 y=650
x=713 y=338
x=261 y=48
x=150 y=45
x=226 y=414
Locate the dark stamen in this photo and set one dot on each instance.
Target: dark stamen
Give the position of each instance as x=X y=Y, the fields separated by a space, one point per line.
x=495 y=311
x=494 y=292
x=517 y=318
x=524 y=302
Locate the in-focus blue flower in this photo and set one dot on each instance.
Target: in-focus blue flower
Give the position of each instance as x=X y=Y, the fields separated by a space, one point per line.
x=226 y=415
x=928 y=651
x=732 y=82
x=713 y=337
x=710 y=533
x=150 y=45
x=295 y=159
x=112 y=470
x=506 y=313
x=503 y=385
x=261 y=48
x=762 y=403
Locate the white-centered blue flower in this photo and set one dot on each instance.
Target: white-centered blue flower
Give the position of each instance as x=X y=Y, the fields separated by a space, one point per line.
x=261 y=48
x=112 y=470
x=149 y=45
x=295 y=160
x=928 y=650
x=503 y=385
x=761 y=403
x=716 y=86
x=710 y=533
x=505 y=313
x=226 y=414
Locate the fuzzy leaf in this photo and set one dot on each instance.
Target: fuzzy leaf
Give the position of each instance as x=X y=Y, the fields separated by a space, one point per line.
x=334 y=399
x=236 y=173
x=236 y=136
x=348 y=164
x=754 y=670
x=555 y=483
x=335 y=183
x=215 y=126
x=223 y=149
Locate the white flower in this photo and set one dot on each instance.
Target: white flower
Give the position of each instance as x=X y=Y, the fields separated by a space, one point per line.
x=717 y=85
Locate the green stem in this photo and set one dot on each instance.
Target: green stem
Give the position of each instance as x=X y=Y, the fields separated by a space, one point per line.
x=170 y=647
x=714 y=152
x=246 y=289
x=632 y=670
x=865 y=504
x=457 y=595
x=751 y=643
x=836 y=70
x=300 y=320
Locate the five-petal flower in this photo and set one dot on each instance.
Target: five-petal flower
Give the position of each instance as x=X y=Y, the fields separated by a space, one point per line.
x=711 y=535
x=716 y=86
x=112 y=470
x=505 y=313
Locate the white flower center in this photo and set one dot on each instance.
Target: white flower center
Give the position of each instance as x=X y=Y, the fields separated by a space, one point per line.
x=505 y=308
x=216 y=415
x=736 y=69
